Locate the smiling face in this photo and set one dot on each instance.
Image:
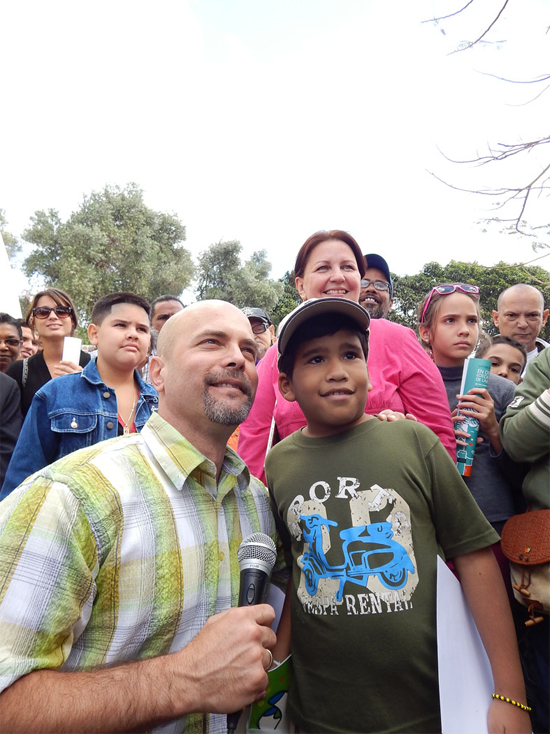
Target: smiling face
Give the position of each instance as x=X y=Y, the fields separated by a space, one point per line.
x=30 y=343
x=506 y=361
x=331 y=270
x=377 y=302
x=122 y=338
x=455 y=330
x=205 y=369
x=52 y=327
x=330 y=382
x=10 y=345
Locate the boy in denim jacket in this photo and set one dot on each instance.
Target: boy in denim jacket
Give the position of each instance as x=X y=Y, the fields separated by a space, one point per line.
x=106 y=399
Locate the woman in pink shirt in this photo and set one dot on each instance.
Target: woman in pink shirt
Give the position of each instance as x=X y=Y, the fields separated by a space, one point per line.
x=404 y=379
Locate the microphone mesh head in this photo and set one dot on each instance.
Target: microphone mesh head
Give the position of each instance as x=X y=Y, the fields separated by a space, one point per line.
x=258 y=547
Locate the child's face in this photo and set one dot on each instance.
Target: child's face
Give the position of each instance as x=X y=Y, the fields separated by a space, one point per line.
x=506 y=361
x=330 y=383
x=123 y=338
x=455 y=330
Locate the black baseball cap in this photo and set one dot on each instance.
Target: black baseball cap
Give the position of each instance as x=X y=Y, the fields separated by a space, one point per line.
x=319 y=307
x=256 y=313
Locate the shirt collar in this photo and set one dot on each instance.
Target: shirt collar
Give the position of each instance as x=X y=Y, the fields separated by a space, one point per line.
x=179 y=458
x=91 y=374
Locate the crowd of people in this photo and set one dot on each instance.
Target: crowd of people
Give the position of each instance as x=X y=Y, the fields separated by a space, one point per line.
x=118 y=558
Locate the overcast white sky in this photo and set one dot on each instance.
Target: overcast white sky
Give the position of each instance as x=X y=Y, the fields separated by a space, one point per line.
x=264 y=121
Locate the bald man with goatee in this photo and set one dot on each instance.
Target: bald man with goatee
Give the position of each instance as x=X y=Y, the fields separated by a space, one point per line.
x=118 y=563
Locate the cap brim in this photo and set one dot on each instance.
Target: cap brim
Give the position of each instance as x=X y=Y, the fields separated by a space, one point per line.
x=319 y=307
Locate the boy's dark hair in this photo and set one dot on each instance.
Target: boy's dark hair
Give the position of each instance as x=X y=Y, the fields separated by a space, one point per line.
x=104 y=305
x=315 y=328
x=488 y=342
x=5 y=318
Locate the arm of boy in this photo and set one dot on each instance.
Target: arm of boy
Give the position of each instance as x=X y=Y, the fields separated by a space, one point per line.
x=479 y=404
x=486 y=596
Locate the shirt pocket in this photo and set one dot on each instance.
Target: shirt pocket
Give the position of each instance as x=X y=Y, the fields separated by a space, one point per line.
x=75 y=431
x=73 y=423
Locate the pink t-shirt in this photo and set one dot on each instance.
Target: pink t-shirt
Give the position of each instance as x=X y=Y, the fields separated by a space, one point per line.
x=403 y=378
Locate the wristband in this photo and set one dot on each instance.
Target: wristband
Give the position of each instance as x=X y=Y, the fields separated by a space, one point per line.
x=521 y=706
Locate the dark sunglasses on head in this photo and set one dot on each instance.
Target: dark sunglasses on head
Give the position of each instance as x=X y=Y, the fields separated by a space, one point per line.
x=42 y=312
x=446 y=289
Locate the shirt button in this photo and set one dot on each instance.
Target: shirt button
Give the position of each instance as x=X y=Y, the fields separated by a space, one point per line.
x=221 y=556
x=106 y=394
x=110 y=424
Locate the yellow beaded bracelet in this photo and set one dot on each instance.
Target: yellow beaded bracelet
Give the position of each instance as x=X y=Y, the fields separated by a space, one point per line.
x=521 y=706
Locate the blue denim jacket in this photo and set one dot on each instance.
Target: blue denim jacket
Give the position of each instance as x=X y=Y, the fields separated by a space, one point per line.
x=70 y=413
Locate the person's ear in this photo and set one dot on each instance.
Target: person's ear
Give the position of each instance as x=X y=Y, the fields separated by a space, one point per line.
x=300 y=287
x=92 y=334
x=369 y=383
x=495 y=317
x=285 y=388
x=424 y=332
x=156 y=373
x=545 y=316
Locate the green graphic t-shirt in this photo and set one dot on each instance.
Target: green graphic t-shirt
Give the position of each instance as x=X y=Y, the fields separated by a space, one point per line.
x=363 y=515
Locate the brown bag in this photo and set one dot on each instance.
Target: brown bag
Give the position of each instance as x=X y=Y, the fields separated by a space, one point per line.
x=525 y=542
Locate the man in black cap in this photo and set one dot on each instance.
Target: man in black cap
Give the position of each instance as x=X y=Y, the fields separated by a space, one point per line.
x=376 y=287
x=263 y=329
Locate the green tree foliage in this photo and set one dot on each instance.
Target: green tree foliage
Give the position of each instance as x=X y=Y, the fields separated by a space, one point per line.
x=289 y=299
x=409 y=290
x=13 y=246
x=113 y=242
x=221 y=275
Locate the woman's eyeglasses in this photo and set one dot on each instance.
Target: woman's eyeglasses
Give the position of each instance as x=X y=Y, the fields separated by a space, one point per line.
x=42 y=312
x=446 y=290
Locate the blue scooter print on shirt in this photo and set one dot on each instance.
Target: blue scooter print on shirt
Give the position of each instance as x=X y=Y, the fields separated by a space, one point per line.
x=368 y=551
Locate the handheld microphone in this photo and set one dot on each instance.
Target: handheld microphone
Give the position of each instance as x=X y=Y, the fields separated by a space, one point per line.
x=256 y=555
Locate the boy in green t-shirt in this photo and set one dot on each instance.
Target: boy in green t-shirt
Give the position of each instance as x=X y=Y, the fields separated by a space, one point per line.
x=363 y=509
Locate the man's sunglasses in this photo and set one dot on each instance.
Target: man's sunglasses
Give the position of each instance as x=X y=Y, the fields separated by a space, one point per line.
x=259 y=328
x=42 y=312
x=446 y=290
x=379 y=285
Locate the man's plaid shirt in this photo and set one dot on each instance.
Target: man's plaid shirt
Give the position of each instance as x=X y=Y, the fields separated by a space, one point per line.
x=121 y=552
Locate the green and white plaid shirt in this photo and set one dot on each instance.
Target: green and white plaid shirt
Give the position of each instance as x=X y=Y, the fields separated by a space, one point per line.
x=121 y=552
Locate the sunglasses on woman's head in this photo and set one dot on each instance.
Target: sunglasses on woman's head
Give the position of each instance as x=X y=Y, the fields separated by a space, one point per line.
x=42 y=312
x=446 y=290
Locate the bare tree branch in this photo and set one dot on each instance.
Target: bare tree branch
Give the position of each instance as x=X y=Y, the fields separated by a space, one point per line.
x=521 y=195
x=485 y=32
x=510 y=149
x=444 y=17
x=536 y=80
